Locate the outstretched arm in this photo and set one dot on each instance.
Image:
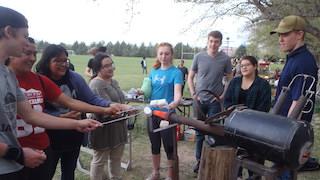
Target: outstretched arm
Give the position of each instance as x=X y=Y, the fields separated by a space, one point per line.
x=81 y=106
x=51 y=122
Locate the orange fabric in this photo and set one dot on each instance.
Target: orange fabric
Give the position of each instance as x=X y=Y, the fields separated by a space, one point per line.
x=160 y=114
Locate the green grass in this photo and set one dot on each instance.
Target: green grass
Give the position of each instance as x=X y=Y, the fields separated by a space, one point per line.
x=128 y=69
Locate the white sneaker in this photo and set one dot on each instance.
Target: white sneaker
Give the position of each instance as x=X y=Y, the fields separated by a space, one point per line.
x=154 y=176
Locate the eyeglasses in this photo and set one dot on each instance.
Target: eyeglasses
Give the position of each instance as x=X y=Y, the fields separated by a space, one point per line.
x=245 y=65
x=29 y=53
x=61 y=62
x=107 y=66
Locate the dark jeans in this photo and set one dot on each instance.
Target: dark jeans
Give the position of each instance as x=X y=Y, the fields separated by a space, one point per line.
x=144 y=70
x=18 y=175
x=286 y=175
x=208 y=109
x=182 y=88
x=165 y=135
x=256 y=159
x=40 y=172
x=68 y=163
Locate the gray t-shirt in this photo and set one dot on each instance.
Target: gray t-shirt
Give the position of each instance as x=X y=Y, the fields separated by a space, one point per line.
x=114 y=134
x=210 y=72
x=10 y=94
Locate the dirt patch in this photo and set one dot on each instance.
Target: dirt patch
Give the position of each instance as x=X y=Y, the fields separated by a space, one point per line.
x=142 y=164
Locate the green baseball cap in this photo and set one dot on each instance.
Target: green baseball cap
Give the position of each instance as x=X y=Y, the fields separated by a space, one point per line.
x=290 y=23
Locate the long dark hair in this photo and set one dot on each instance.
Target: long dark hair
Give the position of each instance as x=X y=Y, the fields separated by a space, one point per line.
x=52 y=51
x=252 y=61
x=96 y=63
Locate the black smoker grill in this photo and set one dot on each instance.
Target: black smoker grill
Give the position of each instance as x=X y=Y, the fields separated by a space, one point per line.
x=273 y=137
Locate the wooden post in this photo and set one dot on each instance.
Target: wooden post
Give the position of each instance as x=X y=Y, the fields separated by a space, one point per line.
x=216 y=163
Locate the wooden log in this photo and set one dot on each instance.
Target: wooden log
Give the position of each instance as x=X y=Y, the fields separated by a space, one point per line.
x=216 y=163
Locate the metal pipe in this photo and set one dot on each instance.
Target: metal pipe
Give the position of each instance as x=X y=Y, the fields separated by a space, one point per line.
x=281 y=99
x=301 y=103
x=200 y=125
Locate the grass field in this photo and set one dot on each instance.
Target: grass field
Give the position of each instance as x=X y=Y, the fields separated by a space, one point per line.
x=128 y=69
x=129 y=74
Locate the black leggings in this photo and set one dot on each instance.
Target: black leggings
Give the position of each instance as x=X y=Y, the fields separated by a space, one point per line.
x=18 y=175
x=166 y=136
x=68 y=163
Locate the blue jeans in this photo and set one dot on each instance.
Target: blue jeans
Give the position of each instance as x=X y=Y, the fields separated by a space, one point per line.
x=286 y=175
x=208 y=109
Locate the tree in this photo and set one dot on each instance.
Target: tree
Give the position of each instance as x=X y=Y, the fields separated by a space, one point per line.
x=75 y=47
x=41 y=45
x=135 y=51
x=116 y=49
x=82 y=49
x=123 y=49
x=64 y=45
x=109 y=48
x=142 y=50
x=150 y=51
x=100 y=44
x=257 y=11
x=177 y=50
x=241 y=51
x=262 y=15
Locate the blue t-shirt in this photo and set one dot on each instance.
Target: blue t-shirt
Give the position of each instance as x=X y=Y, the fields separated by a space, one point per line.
x=300 y=61
x=163 y=81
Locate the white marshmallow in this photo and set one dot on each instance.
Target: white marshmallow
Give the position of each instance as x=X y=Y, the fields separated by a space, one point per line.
x=164 y=124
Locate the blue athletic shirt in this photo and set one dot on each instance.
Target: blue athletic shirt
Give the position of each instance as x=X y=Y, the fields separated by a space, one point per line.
x=163 y=81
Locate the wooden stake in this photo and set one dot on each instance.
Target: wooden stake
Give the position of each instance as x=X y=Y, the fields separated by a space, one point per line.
x=216 y=163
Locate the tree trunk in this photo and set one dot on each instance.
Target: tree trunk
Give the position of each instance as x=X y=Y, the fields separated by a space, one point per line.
x=216 y=163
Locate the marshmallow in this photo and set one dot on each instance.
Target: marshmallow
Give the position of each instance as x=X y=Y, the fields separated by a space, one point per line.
x=164 y=124
x=147 y=111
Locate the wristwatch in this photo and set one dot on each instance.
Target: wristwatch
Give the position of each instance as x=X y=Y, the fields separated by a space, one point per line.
x=14 y=153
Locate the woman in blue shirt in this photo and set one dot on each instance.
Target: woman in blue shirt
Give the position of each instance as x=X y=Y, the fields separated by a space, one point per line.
x=166 y=82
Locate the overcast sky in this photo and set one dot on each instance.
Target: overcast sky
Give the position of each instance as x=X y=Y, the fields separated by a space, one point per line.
x=92 y=21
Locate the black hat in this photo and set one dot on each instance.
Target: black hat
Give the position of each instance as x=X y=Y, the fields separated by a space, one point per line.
x=10 y=17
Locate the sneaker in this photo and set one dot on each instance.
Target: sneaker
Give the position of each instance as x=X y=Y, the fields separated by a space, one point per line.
x=311 y=165
x=154 y=176
x=195 y=167
x=254 y=177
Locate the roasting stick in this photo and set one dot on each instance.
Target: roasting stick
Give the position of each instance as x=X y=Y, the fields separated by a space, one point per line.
x=124 y=117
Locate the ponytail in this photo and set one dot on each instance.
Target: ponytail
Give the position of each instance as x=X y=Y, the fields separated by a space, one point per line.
x=157 y=64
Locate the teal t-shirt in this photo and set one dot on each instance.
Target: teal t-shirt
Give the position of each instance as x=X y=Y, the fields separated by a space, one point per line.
x=163 y=81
